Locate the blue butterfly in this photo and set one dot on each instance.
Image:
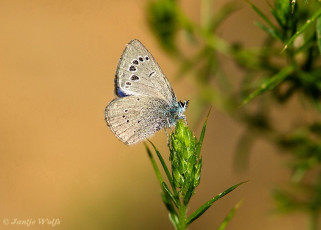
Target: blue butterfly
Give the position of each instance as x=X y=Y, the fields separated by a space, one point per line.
x=145 y=101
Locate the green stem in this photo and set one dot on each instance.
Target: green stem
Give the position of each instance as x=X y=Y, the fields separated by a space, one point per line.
x=182 y=217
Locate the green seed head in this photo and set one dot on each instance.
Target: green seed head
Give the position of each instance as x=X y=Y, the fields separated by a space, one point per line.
x=186 y=162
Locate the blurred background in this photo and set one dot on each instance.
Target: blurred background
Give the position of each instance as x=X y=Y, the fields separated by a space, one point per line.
x=58 y=158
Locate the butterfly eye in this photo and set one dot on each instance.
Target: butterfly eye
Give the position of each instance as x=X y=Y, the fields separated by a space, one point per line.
x=141 y=59
x=126 y=110
x=135 y=62
x=146 y=58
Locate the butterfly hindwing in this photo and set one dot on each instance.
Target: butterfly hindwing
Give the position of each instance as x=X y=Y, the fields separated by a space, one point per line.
x=135 y=118
x=139 y=74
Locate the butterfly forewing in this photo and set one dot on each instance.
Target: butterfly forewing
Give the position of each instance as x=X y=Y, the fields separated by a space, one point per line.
x=135 y=118
x=139 y=74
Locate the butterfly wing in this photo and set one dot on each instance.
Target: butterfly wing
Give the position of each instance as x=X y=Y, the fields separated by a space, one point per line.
x=139 y=74
x=135 y=118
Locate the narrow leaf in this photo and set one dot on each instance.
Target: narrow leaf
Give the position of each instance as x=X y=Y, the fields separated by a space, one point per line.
x=169 y=177
x=200 y=142
x=209 y=203
x=190 y=190
x=308 y=42
x=281 y=12
x=270 y=31
x=165 y=197
x=169 y=205
x=169 y=193
x=174 y=219
x=263 y=16
x=156 y=169
x=270 y=83
x=229 y=216
x=302 y=29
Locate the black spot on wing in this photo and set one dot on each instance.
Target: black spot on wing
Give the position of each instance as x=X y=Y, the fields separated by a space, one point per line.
x=134 y=78
x=132 y=68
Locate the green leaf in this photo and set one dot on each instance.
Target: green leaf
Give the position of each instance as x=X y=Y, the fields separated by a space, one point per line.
x=209 y=203
x=165 y=196
x=269 y=30
x=190 y=190
x=156 y=169
x=285 y=202
x=169 y=177
x=162 y=18
x=281 y=12
x=169 y=193
x=308 y=42
x=262 y=15
x=302 y=29
x=200 y=142
x=170 y=207
x=174 y=219
x=270 y=83
x=318 y=29
x=229 y=216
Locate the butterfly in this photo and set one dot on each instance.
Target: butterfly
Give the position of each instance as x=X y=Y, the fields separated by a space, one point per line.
x=145 y=102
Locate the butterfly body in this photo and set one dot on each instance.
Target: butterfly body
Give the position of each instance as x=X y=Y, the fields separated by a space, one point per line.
x=145 y=100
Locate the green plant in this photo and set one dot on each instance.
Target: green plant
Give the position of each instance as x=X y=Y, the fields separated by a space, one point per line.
x=186 y=165
x=286 y=67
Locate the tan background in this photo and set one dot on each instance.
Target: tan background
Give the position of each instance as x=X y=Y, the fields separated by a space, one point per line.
x=59 y=160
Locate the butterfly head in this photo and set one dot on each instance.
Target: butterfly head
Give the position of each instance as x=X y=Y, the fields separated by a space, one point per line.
x=182 y=107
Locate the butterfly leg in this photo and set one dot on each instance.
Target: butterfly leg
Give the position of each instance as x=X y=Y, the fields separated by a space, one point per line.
x=167 y=136
x=185 y=120
x=168 y=126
